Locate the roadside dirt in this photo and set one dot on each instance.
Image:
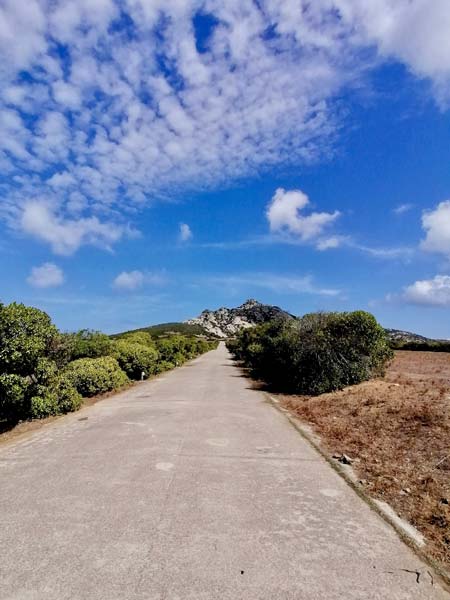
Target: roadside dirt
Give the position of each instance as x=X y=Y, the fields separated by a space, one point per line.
x=396 y=430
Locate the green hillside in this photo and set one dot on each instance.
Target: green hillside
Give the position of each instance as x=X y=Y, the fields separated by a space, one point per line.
x=167 y=329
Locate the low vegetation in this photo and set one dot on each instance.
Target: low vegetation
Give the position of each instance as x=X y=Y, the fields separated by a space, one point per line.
x=318 y=353
x=135 y=358
x=45 y=372
x=165 y=329
x=422 y=345
x=92 y=376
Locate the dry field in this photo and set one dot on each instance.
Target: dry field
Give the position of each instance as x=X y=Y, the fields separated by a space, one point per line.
x=398 y=431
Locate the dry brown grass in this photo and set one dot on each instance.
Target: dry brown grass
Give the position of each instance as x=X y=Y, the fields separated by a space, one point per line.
x=398 y=430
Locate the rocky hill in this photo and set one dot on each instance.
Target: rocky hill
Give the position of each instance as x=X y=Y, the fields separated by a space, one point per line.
x=397 y=335
x=225 y=322
x=405 y=340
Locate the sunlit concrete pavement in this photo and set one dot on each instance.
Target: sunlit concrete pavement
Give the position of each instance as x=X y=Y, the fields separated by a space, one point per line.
x=190 y=486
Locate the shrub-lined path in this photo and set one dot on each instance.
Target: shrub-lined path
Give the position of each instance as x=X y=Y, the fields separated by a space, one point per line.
x=190 y=486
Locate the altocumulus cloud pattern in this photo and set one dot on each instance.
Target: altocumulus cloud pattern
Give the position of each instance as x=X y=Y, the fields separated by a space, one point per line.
x=107 y=105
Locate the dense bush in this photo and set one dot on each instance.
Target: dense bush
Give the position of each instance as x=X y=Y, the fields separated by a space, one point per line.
x=30 y=385
x=44 y=393
x=90 y=344
x=69 y=399
x=26 y=334
x=164 y=365
x=14 y=397
x=318 y=353
x=172 y=349
x=50 y=392
x=135 y=359
x=92 y=376
x=60 y=397
x=425 y=346
x=177 y=349
x=138 y=337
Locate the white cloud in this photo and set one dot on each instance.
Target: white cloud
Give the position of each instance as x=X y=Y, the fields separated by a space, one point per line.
x=431 y=292
x=403 y=253
x=415 y=32
x=67 y=95
x=134 y=280
x=45 y=276
x=436 y=224
x=119 y=130
x=22 y=33
x=185 y=232
x=402 y=209
x=335 y=241
x=284 y=216
x=396 y=253
x=65 y=236
x=129 y=280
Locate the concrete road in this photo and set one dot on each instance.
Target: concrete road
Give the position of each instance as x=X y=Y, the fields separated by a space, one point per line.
x=190 y=486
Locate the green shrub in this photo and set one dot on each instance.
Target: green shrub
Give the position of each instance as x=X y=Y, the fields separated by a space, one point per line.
x=318 y=353
x=14 y=400
x=62 y=349
x=58 y=398
x=138 y=337
x=45 y=372
x=69 y=399
x=40 y=395
x=91 y=376
x=190 y=348
x=164 y=365
x=26 y=334
x=44 y=405
x=421 y=346
x=136 y=358
x=177 y=349
x=90 y=344
x=169 y=347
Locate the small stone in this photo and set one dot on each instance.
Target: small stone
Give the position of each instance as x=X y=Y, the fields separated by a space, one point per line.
x=343 y=459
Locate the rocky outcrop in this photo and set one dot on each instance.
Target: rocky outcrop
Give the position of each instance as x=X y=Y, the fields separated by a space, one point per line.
x=226 y=322
x=397 y=335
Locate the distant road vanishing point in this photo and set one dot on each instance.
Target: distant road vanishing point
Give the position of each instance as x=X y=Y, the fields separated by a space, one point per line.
x=190 y=486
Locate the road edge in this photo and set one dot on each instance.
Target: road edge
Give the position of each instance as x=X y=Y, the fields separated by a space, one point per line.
x=439 y=574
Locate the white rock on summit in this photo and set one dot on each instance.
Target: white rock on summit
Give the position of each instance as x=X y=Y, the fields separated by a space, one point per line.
x=226 y=322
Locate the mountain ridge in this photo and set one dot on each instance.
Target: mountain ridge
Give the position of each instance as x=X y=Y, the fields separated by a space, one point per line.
x=225 y=322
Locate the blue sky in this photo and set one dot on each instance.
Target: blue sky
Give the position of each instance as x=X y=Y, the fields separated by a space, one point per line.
x=158 y=158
